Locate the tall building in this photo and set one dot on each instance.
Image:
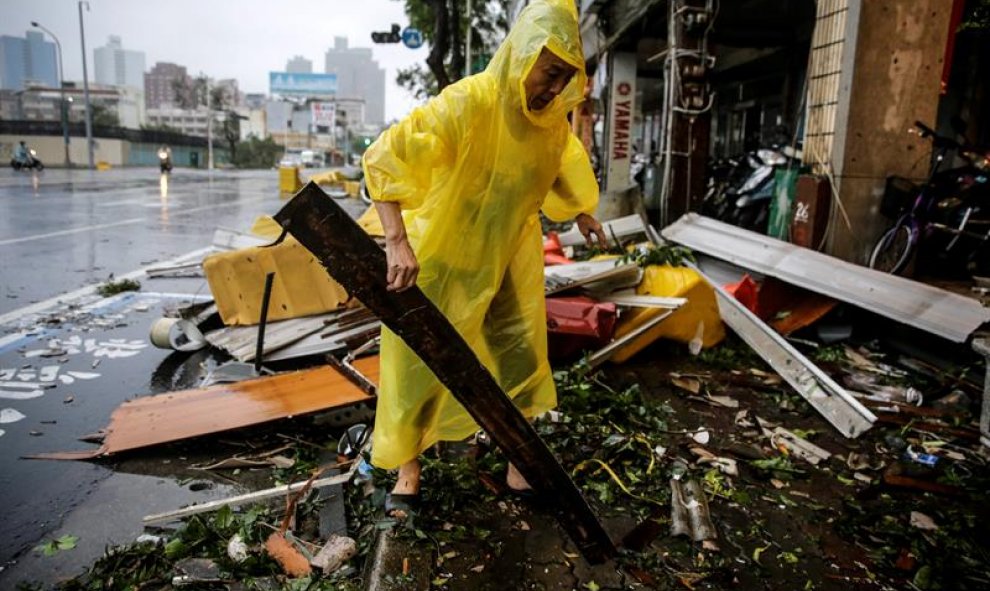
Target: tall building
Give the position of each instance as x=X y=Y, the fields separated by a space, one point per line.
x=232 y=92
x=358 y=77
x=186 y=121
x=121 y=106
x=299 y=65
x=116 y=66
x=27 y=59
x=159 y=84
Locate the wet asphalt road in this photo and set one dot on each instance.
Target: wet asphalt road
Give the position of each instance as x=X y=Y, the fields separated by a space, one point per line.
x=60 y=230
x=64 y=367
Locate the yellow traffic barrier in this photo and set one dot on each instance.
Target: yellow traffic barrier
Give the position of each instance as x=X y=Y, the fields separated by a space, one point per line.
x=326 y=178
x=352 y=188
x=288 y=180
x=700 y=311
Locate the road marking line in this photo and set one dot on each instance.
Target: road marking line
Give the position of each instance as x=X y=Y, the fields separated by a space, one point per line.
x=91 y=289
x=72 y=231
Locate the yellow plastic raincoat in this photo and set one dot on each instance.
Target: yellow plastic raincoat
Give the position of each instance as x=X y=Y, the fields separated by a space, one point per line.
x=471 y=170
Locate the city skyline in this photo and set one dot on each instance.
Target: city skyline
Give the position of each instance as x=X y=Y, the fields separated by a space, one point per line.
x=261 y=44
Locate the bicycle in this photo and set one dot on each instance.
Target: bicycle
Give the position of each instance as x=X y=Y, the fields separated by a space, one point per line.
x=898 y=245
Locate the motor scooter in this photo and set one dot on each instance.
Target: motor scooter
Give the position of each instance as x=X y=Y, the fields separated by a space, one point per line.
x=164 y=161
x=30 y=161
x=750 y=201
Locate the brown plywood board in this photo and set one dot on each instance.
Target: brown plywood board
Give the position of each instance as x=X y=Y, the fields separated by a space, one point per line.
x=152 y=420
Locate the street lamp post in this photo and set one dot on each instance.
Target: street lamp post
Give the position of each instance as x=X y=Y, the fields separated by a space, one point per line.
x=61 y=90
x=209 y=126
x=89 y=109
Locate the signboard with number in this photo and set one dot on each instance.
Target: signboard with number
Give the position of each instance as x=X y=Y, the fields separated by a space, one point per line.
x=290 y=83
x=324 y=114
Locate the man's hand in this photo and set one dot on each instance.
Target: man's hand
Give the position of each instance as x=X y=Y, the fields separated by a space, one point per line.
x=589 y=226
x=403 y=268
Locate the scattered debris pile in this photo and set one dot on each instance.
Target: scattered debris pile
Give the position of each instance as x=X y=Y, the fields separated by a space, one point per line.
x=809 y=448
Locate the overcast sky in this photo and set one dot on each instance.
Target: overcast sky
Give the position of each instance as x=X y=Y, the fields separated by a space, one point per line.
x=242 y=39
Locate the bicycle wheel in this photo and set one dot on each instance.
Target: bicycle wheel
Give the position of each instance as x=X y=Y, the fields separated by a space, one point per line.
x=893 y=251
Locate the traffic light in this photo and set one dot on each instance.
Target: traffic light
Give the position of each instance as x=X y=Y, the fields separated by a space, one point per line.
x=393 y=36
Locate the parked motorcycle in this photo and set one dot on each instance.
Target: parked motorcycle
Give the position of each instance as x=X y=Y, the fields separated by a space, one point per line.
x=723 y=173
x=740 y=190
x=28 y=161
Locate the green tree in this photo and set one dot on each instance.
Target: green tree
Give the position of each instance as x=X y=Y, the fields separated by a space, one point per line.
x=256 y=153
x=160 y=127
x=193 y=93
x=103 y=116
x=444 y=24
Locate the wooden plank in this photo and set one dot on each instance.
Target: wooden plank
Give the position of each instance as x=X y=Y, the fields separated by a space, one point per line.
x=152 y=420
x=354 y=260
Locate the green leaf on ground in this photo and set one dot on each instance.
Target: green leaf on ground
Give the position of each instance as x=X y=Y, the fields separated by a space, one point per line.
x=53 y=547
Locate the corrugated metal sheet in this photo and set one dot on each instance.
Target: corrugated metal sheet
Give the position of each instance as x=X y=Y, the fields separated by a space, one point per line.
x=837 y=406
x=928 y=308
x=319 y=344
x=318 y=334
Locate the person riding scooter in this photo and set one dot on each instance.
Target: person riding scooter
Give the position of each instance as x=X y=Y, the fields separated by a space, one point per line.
x=25 y=157
x=165 y=159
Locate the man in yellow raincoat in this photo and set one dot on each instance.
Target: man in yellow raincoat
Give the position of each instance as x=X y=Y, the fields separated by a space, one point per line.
x=458 y=186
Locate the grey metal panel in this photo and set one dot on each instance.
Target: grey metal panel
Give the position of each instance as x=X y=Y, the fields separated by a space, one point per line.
x=928 y=308
x=315 y=344
x=240 y=341
x=619 y=227
x=839 y=408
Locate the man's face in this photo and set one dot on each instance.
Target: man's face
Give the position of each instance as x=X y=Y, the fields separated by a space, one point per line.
x=546 y=80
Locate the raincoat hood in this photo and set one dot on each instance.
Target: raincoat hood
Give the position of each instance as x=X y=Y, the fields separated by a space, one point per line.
x=543 y=23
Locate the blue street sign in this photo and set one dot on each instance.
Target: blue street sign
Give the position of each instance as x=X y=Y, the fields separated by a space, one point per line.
x=412 y=38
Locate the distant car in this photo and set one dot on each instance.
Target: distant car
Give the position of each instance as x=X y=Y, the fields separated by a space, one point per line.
x=312 y=159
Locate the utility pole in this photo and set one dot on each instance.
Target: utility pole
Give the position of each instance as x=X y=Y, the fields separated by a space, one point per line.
x=467 y=45
x=61 y=89
x=89 y=108
x=687 y=107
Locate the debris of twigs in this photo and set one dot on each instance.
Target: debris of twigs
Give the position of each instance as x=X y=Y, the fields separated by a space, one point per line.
x=112 y=287
x=659 y=254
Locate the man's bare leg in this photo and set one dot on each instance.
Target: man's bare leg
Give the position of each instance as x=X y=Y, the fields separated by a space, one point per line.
x=515 y=479
x=407 y=483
